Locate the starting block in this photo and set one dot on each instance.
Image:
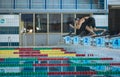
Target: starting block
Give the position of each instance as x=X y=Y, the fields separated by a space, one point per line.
x=115 y=42
x=100 y=41
x=86 y=41
x=75 y=40
x=67 y=39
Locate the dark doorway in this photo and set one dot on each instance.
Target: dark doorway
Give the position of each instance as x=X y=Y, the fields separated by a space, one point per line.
x=114 y=20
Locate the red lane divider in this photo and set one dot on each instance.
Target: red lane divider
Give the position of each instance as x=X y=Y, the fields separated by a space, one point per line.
x=51 y=64
x=63 y=50
x=106 y=58
x=117 y=64
x=80 y=54
x=24 y=49
x=73 y=73
x=53 y=59
x=27 y=52
x=70 y=52
x=57 y=48
x=2 y=59
x=34 y=55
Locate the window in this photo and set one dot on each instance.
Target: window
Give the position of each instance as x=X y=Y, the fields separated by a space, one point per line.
x=6 y=4
x=83 y=4
x=55 y=22
x=68 y=4
x=67 y=18
x=98 y=4
x=27 y=23
x=101 y=4
x=53 y=4
x=22 y=4
x=38 y=4
x=41 y=23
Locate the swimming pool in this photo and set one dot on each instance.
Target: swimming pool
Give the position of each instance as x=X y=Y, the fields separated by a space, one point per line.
x=66 y=61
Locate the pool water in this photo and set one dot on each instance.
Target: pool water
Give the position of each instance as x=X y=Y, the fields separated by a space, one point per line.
x=56 y=62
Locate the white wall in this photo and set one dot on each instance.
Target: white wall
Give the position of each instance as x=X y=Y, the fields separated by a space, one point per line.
x=9 y=38
x=9 y=20
x=114 y=2
x=101 y=20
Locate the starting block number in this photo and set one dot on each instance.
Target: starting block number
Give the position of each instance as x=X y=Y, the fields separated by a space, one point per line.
x=116 y=43
x=100 y=41
x=86 y=41
x=67 y=39
x=75 y=40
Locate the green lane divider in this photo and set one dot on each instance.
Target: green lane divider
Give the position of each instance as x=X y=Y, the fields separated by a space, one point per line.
x=108 y=73
x=34 y=59
x=42 y=48
x=19 y=59
x=31 y=64
x=16 y=65
x=47 y=73
x=24 y=74
x=7 y=48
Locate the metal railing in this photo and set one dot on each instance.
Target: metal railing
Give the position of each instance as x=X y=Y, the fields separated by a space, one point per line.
x=59 y=5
